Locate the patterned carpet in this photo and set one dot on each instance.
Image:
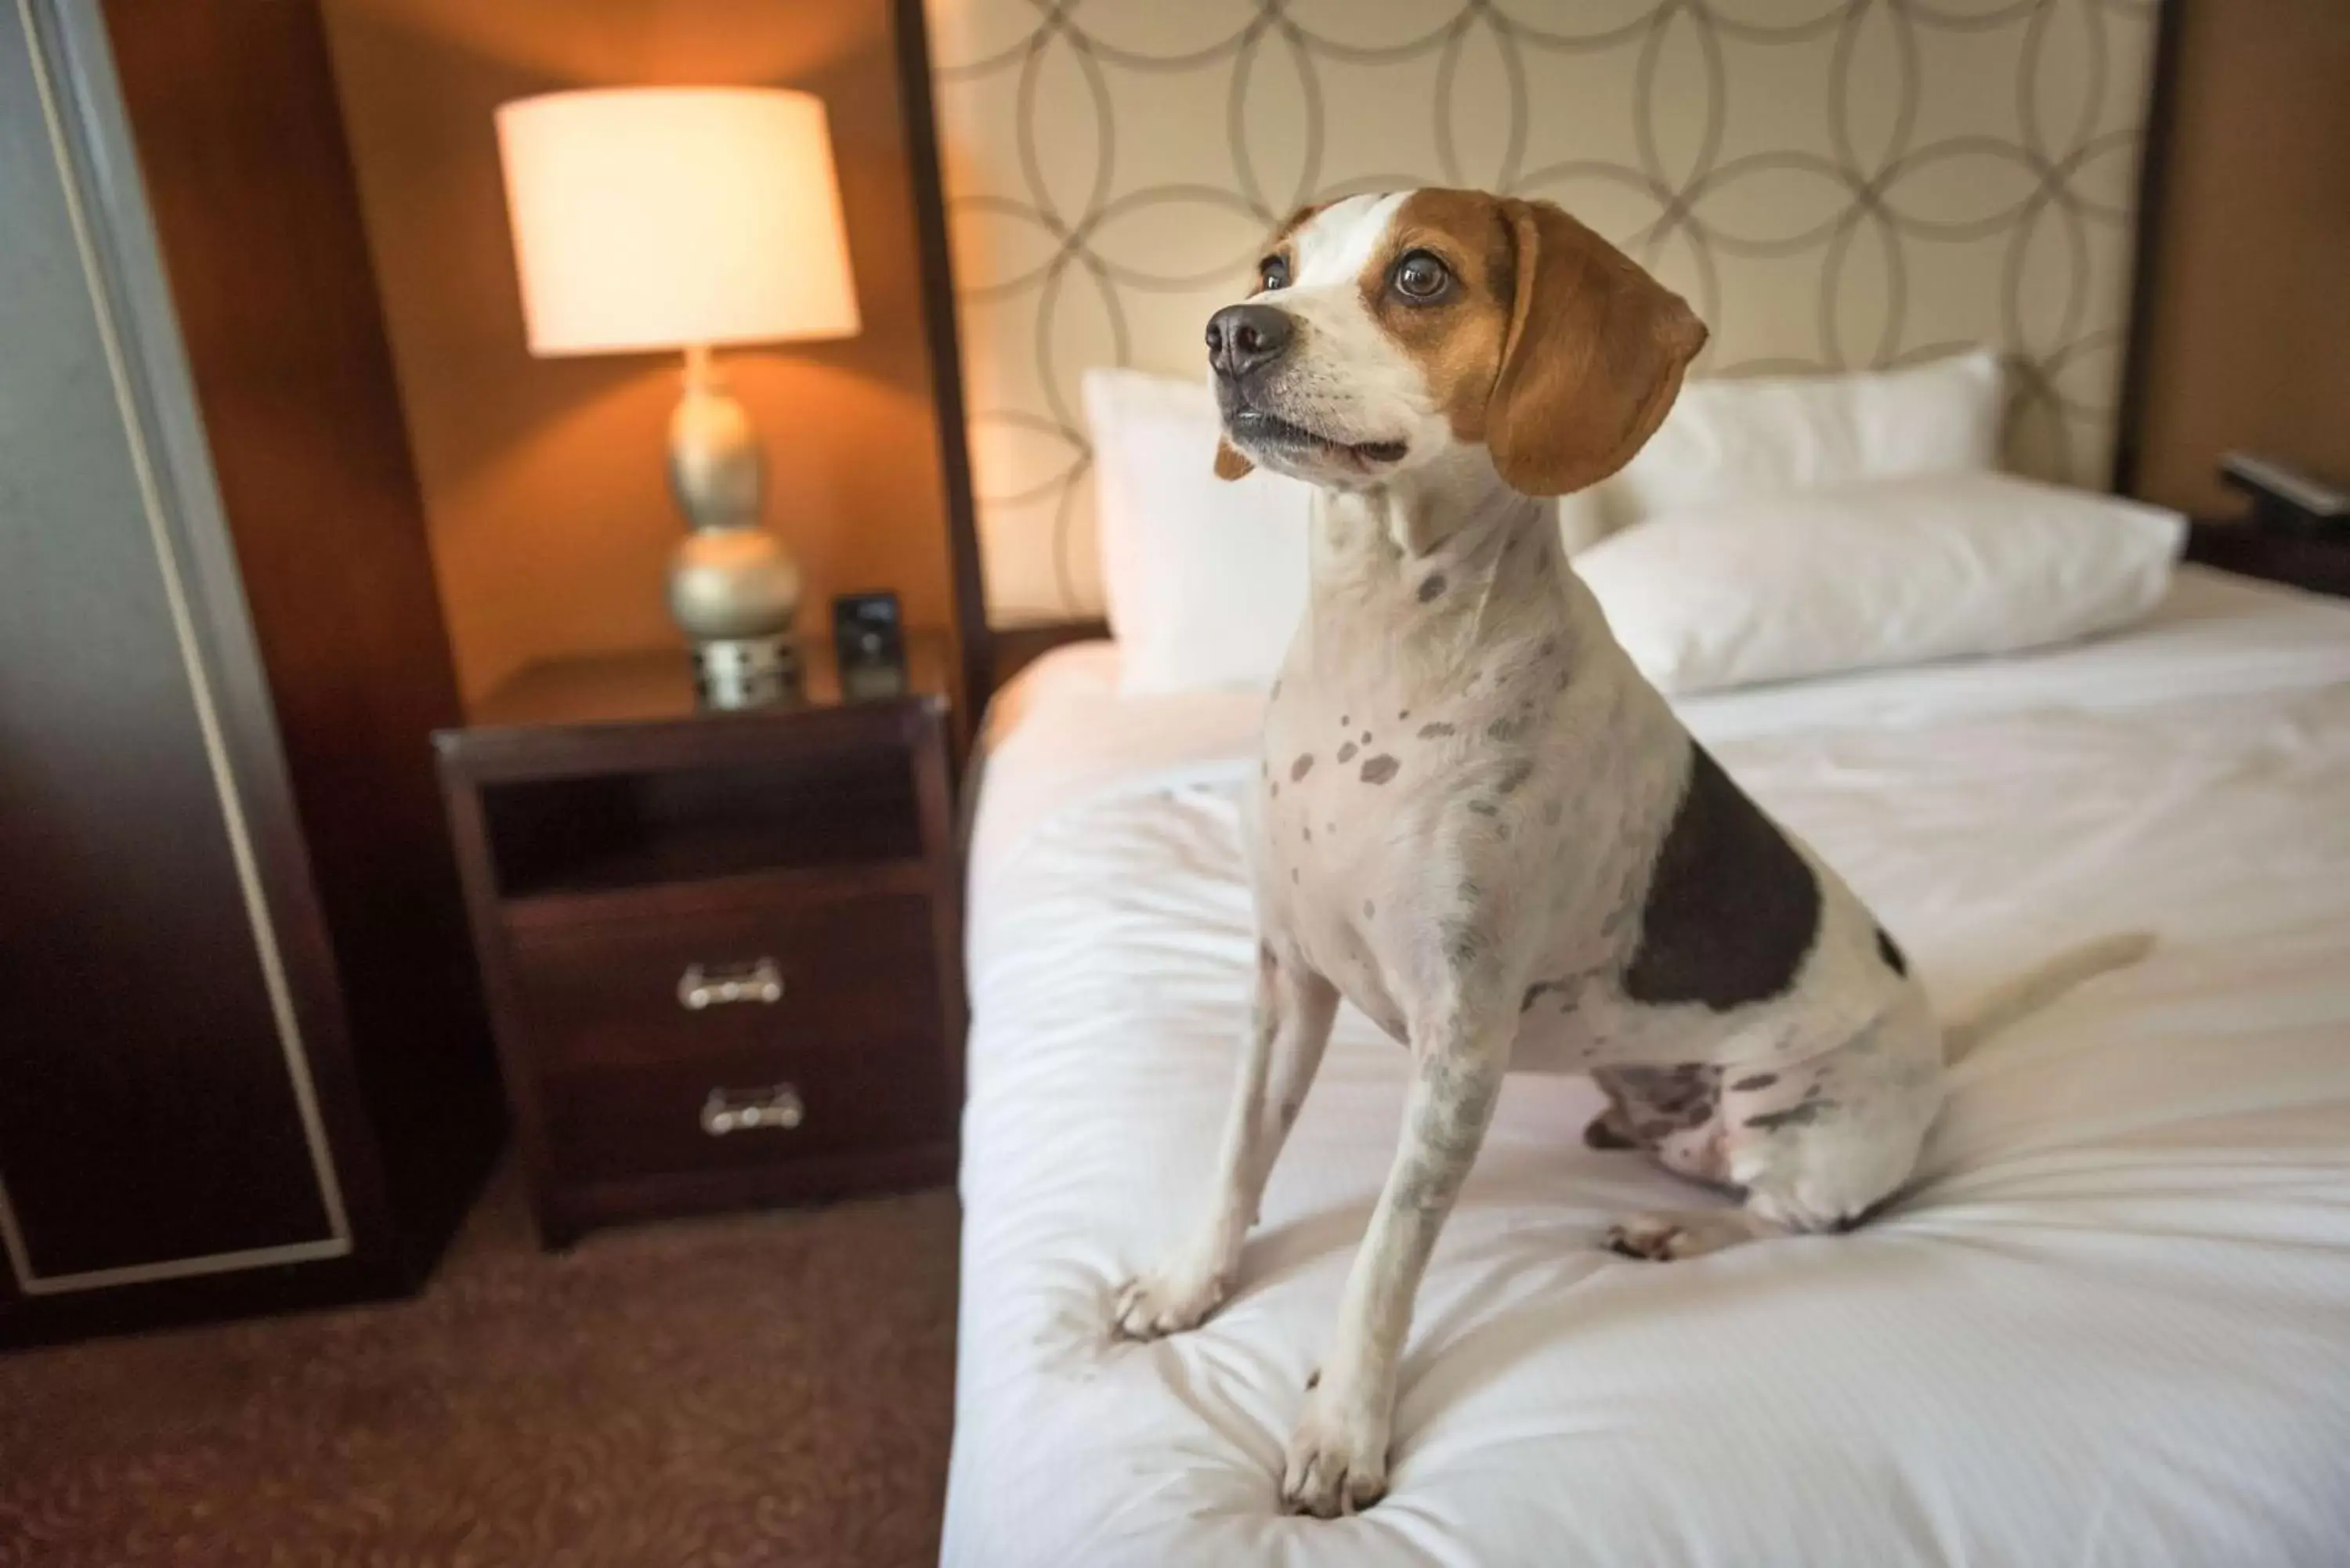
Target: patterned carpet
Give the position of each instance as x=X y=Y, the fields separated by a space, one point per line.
x=762 y=1389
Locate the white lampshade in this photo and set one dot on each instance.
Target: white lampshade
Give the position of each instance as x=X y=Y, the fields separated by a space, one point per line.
x=665 y=217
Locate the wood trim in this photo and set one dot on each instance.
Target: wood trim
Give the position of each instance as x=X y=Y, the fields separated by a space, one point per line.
x=2319 y=563
x=972 y=634
x=744 y=890
x=934 y=796
x=469 y=832
x=2146 y=270
x=677 y=745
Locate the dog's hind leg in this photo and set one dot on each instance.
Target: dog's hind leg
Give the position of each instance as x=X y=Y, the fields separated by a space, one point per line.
x=1289 y=1026
x=1339 y=1456
x=1815 y=1145
x=1662 y=1236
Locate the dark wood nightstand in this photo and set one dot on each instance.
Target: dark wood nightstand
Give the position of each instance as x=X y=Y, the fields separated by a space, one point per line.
x=722 y=950
x=2319 y=562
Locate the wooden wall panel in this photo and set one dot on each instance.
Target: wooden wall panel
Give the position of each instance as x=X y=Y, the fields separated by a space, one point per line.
x=2247 y=334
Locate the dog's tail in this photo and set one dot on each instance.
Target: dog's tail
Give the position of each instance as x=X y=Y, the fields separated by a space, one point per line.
x=2034 y=989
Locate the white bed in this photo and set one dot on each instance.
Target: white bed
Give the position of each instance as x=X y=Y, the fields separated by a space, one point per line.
x=2110 y=1325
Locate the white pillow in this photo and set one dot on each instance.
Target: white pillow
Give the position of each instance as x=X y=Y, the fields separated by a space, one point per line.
x=1205 y=580
x=1891 y=573
x=1741 y=438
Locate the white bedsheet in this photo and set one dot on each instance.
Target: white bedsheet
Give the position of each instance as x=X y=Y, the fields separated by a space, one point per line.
x=2110 y=1325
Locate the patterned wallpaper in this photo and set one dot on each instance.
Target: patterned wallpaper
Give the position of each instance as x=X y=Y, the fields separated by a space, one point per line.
x=1833 y=183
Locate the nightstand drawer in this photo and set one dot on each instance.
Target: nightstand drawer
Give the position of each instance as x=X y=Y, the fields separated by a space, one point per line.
x=753 y=1106
x=814 y=974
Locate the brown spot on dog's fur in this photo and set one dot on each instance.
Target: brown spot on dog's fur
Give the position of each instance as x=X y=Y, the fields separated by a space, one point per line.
x=1514 y=777
x=1370 y=910
x=1507 y=730
x=1457 y=337
x=1431 y=731
x=1431 y=586
x=1400 y=717
x=1276 y=789
x=1344 y=722
x=1655 y=1131
x=1380 y=769
x=1298 y=769
x=1756 y=1081
x=1366 y=737
x=1347 y=752
x=1484 y=808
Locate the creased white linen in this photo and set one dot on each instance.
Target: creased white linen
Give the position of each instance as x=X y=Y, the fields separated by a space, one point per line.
x=2110 y=1324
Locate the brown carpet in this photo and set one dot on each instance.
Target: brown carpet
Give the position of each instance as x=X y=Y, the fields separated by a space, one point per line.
x=758 y=1389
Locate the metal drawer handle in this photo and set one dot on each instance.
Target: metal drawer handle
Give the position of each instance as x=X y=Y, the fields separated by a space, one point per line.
x=779 y=1107
x=707 y=986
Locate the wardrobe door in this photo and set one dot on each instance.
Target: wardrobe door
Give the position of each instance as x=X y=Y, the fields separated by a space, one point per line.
x=158 y=1118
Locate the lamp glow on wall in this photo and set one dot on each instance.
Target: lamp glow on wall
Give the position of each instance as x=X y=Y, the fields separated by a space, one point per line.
x=693 y=218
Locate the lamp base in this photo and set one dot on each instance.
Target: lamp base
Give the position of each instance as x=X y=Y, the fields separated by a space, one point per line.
x=746 y=671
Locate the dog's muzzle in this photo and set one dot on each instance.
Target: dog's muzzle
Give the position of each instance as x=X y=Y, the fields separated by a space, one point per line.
x=1244 y=338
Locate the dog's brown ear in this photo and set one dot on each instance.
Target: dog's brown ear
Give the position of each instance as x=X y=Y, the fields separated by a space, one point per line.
x=1593 y=358
x=1229 y=464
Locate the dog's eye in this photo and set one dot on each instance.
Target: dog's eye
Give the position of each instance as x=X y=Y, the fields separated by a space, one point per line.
x=1271 y=272
x=1420 y=276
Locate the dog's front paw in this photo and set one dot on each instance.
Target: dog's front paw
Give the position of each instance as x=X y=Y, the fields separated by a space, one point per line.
x=1337 y=1457
x=1168 y=1301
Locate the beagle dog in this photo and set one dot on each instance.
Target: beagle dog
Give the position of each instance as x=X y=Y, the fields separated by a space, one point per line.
x=1478 y=823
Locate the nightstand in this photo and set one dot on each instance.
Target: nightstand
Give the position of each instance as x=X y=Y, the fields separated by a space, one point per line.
x=722 y=950
x=2318 y=561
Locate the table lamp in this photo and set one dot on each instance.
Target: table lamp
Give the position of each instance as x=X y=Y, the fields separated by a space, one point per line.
x=668 y=218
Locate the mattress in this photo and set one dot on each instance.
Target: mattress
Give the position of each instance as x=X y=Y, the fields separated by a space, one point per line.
x=2108 y=1323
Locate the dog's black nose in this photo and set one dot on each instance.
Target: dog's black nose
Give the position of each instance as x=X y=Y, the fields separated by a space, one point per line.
x=1243 y=338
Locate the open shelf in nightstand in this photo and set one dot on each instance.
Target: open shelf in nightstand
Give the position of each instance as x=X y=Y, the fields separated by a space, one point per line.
x=592 y=834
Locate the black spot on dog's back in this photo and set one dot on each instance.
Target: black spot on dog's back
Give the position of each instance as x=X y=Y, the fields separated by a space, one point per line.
x=1731 y=907
x=1891 y=951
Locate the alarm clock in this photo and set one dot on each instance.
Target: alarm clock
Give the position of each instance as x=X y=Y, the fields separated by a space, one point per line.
x=871 y=643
